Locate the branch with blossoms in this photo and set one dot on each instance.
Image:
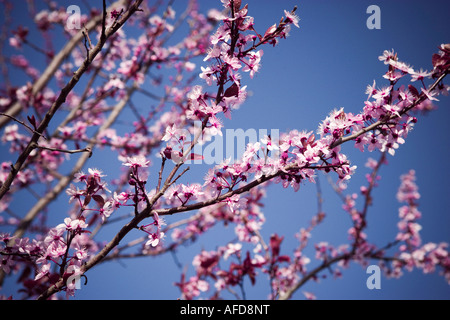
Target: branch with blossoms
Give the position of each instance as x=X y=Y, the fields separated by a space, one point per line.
x=288 y=274
x=231 y=192
x=290 y=170
x=387 y=121
x=21 y=38
x=148 y=52
x=64 y=93
x=199 y=109
x=410 y=253
x=105 y=135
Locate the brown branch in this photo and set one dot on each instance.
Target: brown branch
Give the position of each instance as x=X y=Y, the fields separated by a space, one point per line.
x=367 y=202
x=103 y=34
x=87 y=149
x=163 y=161
x=23 y=124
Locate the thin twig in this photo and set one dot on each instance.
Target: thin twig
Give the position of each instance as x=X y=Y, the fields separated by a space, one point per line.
x=103 y=34
x=179 y=176
x=86 y=41
x=87 y=149
x=163 y=161
x=23 y=124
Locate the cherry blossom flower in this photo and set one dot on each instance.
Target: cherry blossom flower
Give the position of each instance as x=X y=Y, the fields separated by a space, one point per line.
x=208 y=75
x=429 y=95
x=387 y=56
x=96 y=173
x=254 y=63
x=74 y=192
x=76 y=225
x=292 y=18
x=43 y=271
x=270 y=144
x=420 y=75
x=154 y=239
x=137 y=162
x=235 y=202
x=309 y=295
x=107 y=210
x=232 y=249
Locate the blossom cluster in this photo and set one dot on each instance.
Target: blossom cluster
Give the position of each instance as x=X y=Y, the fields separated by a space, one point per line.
x=234 y=49
x=141 y=198
x=287 y=271
x=128 y=62
x=413 y=254
x=232 y=191
x=66 y=246
x=386 y=114
x=383 y=125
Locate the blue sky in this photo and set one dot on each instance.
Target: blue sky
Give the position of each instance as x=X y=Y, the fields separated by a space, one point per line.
x=325 y=64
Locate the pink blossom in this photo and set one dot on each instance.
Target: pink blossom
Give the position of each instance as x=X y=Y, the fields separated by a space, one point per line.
x=107 y=210
x=96 y=173
x=232 y=62
x=254 y=62
x=420 y=75
x=208 y=75
x=309 y=295
x=171 y=133
x=213 y=52
x=215 y=126
x=43 y=271
x=403 y=67
x=429 y=95
x=192 y=288
x=74 y=192
x=233 y=191
x=15 y=43
x=387 y=56
x=232 y=249
x=114 y=83
x=251 y=150
x=73 y=225
x=137 y=162
x=81 y=253
x=292 y=18
x=6 y=263
x=270 y=144
x=154 y=239
x=235 y=202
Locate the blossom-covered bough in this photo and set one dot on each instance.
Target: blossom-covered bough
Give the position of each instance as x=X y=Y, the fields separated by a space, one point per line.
x=116 y=69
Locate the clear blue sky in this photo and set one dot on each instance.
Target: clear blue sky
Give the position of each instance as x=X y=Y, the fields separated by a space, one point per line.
x=325 y=64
